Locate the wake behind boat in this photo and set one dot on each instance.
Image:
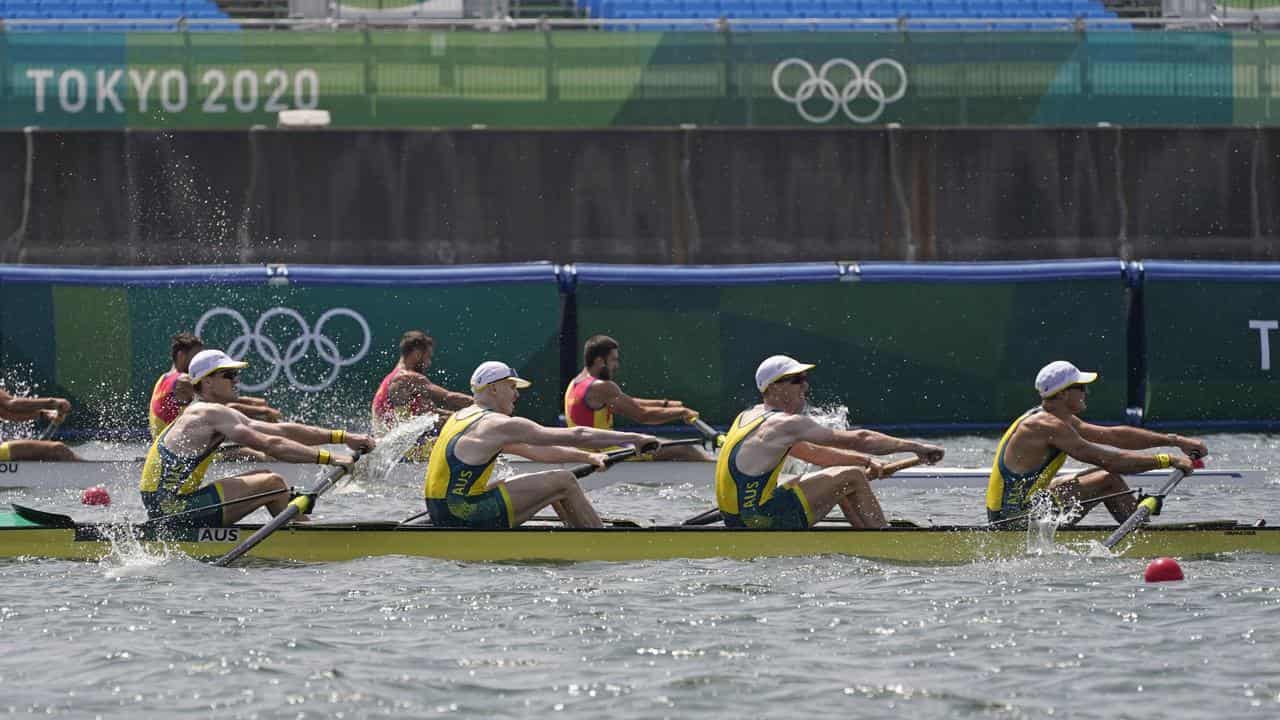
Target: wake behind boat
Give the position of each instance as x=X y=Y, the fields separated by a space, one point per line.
x=51 y=475
x=29 y=533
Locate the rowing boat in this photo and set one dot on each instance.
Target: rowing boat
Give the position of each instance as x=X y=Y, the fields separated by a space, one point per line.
x=26 y=533
x=47 y=475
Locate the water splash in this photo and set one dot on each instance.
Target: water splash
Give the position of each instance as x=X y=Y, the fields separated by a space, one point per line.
x=835 y=417
x=1043 y=520
x=375 y=465
x=128 y=556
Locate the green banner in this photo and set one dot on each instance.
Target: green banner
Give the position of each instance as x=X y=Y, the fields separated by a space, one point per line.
x=1212 y=352
x=593 y=79
x=913 y=353
x=317 y=353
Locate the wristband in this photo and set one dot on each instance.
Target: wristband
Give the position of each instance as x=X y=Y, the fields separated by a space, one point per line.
x=337 y=436
x=324 y=457
x=1162 y=460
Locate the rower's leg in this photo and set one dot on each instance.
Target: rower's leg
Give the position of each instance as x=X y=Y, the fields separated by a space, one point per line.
x=530 y=493
x=686 y=453
x=847 y=487
x=1096 y=483
x=40 y=450
x=253 y=483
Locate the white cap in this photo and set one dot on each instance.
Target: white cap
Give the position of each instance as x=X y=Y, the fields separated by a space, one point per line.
x=209 y=361
x=776 y=367
x=492 y=371
x=1060 y=375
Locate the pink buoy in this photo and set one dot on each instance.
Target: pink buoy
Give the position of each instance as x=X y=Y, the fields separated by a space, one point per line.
x=1163 y=569
x=96 y=495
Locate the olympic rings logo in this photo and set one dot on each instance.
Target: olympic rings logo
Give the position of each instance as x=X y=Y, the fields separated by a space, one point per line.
x=858 y=83
x=295 y=350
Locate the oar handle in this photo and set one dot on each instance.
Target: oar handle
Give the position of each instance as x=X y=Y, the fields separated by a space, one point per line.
x=298 y=506
x=707 y=431
x=585 y=469
x=1146 y=508
x=616 y=456
x=894 y=467
x=51 y=428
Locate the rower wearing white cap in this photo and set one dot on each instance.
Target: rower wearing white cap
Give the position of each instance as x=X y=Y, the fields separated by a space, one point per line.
x=460 y=490
x=181 y=453
x=1036 y=445
x=761 y=438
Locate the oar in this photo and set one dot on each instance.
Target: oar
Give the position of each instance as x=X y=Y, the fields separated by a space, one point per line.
x=708 y=432
x=298 y=506
x=713 y=515
x=616 y=456
x=51 y=428
x=1145 y=509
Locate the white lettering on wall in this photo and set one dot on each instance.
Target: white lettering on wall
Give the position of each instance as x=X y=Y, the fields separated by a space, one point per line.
x=249 y=90
x=1264 y=328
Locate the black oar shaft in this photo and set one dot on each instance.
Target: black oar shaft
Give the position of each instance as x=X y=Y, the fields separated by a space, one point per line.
x=616 y=456
x=296 y=507
x=50 y=429
x=1145 y=509
x=707 y=431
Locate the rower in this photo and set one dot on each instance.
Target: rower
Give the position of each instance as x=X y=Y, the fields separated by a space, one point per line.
x=1036 y=445
x=181 y=453
x=593 y=396
x=460 y=491
x=52 y=409
x=406 y=392
x=761 y=438
x=173 y=391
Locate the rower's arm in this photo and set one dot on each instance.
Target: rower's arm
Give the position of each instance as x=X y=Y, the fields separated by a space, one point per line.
x=271 y=438
x=1133 y=438
x=448 y=398
x=826 y=456
x=277 y=446
x=183 y=389
x=262 y=411
x=861 y=440
x=21 y=408
x=650 y=402
x=1113 y=459
x=610 y=394
x=519 y=430
x=548 y=453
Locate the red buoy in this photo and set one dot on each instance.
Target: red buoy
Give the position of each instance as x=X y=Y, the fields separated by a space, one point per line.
x=1163 y=570
x=96 y=495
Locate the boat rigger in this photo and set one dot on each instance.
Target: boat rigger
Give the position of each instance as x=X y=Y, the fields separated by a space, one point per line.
x=32 y=533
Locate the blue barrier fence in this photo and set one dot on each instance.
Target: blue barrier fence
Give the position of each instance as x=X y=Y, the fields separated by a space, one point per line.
x=912 y=347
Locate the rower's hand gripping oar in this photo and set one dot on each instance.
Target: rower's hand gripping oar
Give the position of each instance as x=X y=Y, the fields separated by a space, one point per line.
x=51 y=428
x=713 y=515
x=300 y=505
x=716 y=439
x=617 y=456
x=1149 y=506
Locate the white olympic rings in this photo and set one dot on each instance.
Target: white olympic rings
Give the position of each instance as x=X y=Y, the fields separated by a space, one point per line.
x=819 y=81
x=295 y=350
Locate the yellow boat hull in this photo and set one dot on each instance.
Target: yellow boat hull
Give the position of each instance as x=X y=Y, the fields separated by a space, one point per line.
x=337 y=542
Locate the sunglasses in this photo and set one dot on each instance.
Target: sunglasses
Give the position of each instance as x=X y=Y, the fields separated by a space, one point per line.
x=232 y=375
x=1082 y=388
x=795 y=379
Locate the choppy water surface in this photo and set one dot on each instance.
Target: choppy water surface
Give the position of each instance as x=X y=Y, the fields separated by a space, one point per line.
x=1054 y=635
